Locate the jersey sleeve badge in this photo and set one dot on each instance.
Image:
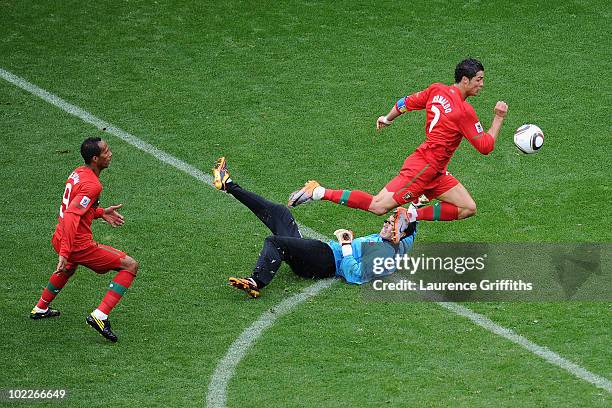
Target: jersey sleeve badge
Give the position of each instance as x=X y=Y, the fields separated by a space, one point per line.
x=85 y=201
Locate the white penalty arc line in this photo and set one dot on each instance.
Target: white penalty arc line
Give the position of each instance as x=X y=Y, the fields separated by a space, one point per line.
x=217 y=389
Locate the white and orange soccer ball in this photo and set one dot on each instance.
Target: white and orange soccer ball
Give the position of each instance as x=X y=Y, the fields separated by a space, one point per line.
x=529 y=139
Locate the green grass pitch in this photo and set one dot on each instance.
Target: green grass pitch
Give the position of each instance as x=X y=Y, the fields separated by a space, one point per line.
x=289 y=91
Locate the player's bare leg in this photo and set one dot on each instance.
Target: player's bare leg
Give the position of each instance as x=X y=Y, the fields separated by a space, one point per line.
x=383 y=202
x=460 y=197
x=455 y=204
x=129 y=264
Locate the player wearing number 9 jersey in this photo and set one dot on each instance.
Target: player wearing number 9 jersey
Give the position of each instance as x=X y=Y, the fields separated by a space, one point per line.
x=74 y=244
x=449 y=119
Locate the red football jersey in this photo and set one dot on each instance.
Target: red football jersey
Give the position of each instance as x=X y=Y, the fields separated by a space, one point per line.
x=79 y=208
x=449 y=119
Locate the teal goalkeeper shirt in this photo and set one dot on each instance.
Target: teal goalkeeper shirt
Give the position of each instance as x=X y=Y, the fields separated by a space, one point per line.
x=358 y=267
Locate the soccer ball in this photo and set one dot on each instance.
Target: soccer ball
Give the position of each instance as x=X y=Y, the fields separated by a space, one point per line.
x=529 y=138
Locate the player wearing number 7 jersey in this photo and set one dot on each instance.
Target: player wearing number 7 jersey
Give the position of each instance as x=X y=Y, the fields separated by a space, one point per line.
x=450 y=118
x=74 y=244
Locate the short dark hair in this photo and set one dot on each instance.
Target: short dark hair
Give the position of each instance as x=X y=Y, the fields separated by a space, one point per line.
x=90 y=148
x=467 y=68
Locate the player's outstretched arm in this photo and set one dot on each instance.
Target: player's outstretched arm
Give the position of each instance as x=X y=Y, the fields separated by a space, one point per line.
x=501 y=109
x=111 y=216
x=415 y=101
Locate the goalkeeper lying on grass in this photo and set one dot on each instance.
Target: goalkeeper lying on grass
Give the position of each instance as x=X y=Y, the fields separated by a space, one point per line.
x=311 y=258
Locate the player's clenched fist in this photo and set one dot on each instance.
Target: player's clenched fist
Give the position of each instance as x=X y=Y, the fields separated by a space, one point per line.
x=344 y=236
x=382 y=122
x=501 y=108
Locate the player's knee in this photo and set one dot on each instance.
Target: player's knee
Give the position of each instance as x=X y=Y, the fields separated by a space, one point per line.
x=131 y=265
x=282 y=212
x=69 y=272
x=378 y=208
x=272 y=245
x=469 y=210
x=382 y=204
x=270 y=240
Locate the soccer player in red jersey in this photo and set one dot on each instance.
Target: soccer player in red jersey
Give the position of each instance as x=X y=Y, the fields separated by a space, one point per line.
x=74 y=244
x=450 y=118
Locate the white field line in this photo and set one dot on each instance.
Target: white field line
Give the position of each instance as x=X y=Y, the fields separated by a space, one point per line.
x=110 y=128
x=541 y=351
x=217 y=389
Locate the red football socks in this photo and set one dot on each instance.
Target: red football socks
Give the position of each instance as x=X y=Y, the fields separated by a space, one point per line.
x=56 y=283
x=438 y=212
x=354 y=199
x=117 y=289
